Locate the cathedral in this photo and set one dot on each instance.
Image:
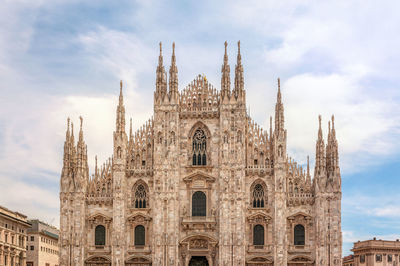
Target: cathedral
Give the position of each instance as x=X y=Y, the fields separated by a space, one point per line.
x=200 y=183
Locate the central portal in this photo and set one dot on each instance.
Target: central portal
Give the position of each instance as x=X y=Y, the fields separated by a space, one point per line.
x=198 y=261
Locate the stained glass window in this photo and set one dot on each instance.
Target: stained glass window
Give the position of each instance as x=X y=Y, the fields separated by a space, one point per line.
x=199 y=148
x=258 y=196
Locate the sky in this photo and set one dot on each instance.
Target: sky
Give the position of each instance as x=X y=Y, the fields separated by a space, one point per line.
x=62 y=59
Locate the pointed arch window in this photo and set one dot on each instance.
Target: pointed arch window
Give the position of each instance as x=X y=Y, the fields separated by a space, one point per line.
x=258 y=235
x=199 y=147
x=140 y=200
x=258 y=197
x=299 y=235
x=199 y=205
x=140 y=235
x=100 y=235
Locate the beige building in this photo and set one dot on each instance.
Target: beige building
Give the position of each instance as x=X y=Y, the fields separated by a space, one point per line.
x=13 y=233
x=200 y=183
x=374 y=252
x=42 y=245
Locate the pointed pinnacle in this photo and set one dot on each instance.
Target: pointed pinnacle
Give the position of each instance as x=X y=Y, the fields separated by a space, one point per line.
x=121 y=97
x=279 y=90
x=226 y=54
x=80 y=118
x=160 y=49
x=239 y=56
x=333 y=122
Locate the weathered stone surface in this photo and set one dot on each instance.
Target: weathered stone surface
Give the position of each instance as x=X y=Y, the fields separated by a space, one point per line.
x=202 y=141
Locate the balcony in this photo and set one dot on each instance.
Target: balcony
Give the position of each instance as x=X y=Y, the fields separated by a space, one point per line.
x=140 y=170
x=199 y=223
x=260 y=248
x=299 y=249
x=260 y=170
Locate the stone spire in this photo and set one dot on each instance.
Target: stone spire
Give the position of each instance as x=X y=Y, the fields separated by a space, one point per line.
x=67 y=148
x=173 y=76
x=161 y=77
x=239 y=80
x=225 y=79
x=308 y=177
x=319 y=153
x=279 y=112
x=332 y=154
x=120 y=121
x=82 y=164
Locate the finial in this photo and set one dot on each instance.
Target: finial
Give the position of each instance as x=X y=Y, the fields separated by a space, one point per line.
x=226 y=44
x=160 y=48
x=80 y=117
x=319 y=118
x=130 y=129
x=238 y=47
x=120 y=93
x=333 y=122
x=329 y=126
x=173 y=49
x=68 y=120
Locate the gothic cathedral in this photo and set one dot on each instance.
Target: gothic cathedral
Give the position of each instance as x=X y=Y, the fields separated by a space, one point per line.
x=200 y=183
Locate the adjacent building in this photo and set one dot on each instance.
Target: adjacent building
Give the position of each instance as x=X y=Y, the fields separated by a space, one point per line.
x=201 y=183
x=374 y=252
x=13 y=233
x=42 y=244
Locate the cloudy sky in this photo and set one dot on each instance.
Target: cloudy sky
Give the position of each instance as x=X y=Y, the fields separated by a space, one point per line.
x=65 y=58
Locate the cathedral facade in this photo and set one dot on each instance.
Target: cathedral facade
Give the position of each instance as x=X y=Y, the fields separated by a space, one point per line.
x=200 y=183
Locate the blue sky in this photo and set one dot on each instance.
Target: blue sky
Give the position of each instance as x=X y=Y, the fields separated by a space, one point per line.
x=65 y=58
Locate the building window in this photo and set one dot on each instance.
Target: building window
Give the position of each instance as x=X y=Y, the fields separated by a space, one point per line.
x=140 y=197
x=199 y=206
x=299 y=235
x=199 y=148
x=32 y=247
x=100 y=235
x=140 y=235
x=390 y=258
x=32 y=238
x=378 y=257
x=258 y=196
x=258 y=235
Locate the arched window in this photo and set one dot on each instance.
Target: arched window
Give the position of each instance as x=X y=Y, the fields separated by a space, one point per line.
x=258 y=235
x=258 y=196
x=140 y=197
x=199 y=204
x=140 y=235
x=199 y=148
x=100 y=235
x=299 y=235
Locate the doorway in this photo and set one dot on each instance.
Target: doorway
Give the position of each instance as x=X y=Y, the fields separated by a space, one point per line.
x=198 y=261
